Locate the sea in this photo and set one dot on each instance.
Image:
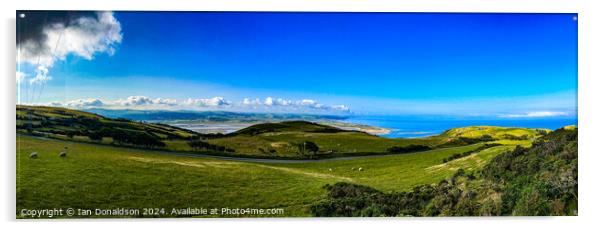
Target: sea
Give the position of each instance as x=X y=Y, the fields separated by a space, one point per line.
x=410 y=127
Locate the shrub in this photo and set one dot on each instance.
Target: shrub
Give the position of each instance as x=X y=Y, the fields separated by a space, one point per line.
x=408 y=149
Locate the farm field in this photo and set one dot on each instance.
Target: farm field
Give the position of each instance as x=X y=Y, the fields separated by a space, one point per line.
x=97 y=176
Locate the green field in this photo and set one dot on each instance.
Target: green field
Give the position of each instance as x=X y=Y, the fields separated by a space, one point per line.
x=97 y=176
x=119 y=163
x=266 y=140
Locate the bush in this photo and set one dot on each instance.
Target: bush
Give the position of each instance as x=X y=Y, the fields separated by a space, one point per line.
x=408 y=149
x=308 y=148
x=541 y=180
x=201 y=145
x=95 y=136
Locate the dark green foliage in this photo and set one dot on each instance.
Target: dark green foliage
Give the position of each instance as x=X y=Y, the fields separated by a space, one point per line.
x=201 y=145
x=541 y=132
x=461 y=141
x=355 y=200
x=212 y=135
x=121 y=136
x=536 y=181
x=408 y=149
x=513 y=137
x=95 y=136
x=541 y=180
x=308 y=148
x=71 y=134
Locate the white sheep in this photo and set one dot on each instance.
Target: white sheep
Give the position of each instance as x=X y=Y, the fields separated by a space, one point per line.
x=360 y=169
x=63 y=154
x=33 y=155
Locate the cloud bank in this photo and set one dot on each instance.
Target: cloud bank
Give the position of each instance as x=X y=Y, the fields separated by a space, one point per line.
x=268 y=104
x=536 y=114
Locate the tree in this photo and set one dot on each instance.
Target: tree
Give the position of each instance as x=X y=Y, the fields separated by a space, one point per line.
x=309 y=148
x=408 y=149
x=70 y=134
x=201 y=145
x=95 y=136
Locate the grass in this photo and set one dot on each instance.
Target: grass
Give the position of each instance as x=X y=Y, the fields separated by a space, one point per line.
x=266 y=140
x=494 y=131
x=97 y=176
x=402 y=172
x=61 y=120
x=94 y=176
x=285 y=143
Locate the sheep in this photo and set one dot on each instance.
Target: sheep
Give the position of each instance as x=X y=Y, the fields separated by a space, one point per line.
x=360 y=169
x=63 y=154
x=33 y=155
x=330 y=169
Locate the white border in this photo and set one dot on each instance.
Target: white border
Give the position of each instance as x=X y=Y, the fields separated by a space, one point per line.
x=589 y=110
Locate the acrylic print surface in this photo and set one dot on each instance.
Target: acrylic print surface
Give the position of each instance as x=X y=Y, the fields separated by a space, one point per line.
x=295 y=114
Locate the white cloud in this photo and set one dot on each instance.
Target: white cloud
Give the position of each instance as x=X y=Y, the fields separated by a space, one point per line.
x=83 y=37
x=162 y=101
x=269 y=101
x=81 y=103
x=250 y=102
x=310 y=103
x=283 y=102
x=135 y=101
x=41 y=76
x=536 y=114
x=20 y=77
x=209 y=102
x=214 y=103
x=341 y=107
x=304 y=105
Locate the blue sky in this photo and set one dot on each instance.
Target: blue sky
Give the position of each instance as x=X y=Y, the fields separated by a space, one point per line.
x=375 y=63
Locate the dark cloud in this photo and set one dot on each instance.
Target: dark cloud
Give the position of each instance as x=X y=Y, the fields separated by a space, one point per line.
x=46 y=36
x=30 y=27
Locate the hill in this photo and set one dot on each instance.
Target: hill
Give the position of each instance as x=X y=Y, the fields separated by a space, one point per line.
x=109 y=177
x=284 y=139
x=62 y=120
x=80 y=125
x=536 y=181
x=295 y=139
x=288 y=126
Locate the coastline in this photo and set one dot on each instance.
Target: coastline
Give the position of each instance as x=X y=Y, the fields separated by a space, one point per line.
x=233 y=126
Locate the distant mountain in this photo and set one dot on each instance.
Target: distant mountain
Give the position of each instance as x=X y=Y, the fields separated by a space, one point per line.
x=208 y=116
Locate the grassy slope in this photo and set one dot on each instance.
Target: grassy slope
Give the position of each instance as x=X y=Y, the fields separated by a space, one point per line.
x=34 y=115
x=267 y=140
x=494 y=131
x=536 y=181
x=95 y=176
x=284 y=141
